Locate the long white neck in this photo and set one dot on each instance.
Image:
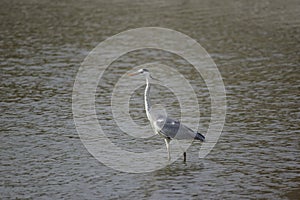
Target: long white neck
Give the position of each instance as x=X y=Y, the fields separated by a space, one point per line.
x=147 y=98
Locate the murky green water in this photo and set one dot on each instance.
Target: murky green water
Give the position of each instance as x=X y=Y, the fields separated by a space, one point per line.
x=256 y=47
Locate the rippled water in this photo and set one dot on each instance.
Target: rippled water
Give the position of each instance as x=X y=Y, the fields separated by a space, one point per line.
x=256 y=47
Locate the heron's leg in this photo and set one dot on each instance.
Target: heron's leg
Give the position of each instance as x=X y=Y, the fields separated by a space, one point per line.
x=167 y=141
x=184 y=151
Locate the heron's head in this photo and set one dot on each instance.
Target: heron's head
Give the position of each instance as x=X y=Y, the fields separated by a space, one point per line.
x=144 y=72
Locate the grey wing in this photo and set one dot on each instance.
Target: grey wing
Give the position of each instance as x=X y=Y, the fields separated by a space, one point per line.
x=171 y=128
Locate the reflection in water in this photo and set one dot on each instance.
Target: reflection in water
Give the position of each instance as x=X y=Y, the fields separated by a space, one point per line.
x=256 y=47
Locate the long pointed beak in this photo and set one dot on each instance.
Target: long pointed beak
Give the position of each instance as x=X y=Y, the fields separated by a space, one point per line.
x=133 y=74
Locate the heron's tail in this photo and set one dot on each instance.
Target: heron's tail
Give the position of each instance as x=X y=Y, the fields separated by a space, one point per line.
x=199 y=136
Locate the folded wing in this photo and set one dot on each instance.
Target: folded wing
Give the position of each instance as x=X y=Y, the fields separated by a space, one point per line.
x=173 y=129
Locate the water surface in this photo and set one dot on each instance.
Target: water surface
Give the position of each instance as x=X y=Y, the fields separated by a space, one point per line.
x=256 y=47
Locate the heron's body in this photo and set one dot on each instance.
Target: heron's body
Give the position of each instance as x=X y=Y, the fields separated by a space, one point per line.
x=166 y=127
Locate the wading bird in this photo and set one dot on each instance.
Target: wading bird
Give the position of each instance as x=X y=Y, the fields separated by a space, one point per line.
x=166 y=127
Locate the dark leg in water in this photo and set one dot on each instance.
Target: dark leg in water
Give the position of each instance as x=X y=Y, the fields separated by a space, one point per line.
x=184 y=156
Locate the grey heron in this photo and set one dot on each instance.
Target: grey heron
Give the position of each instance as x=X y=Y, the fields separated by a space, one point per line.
x=162 y=125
